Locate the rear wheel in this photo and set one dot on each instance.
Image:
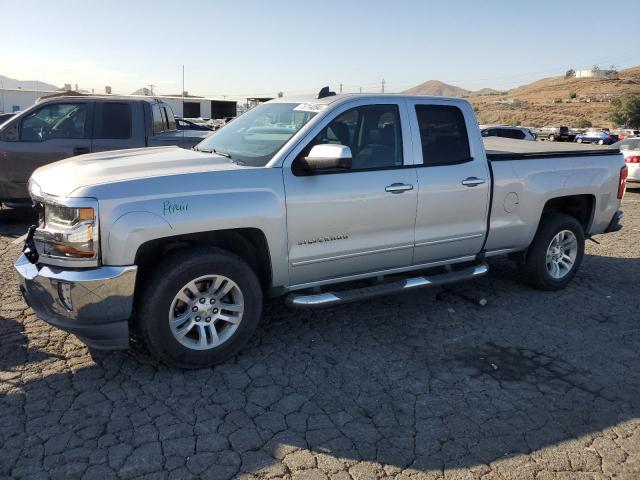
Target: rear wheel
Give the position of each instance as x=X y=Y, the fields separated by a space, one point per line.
x=552 y=138
x=200 y=307
x=600 y=142
x=555 y=254
x=579 y=140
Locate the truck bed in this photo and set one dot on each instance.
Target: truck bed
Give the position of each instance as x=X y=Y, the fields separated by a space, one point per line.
x=508 y=149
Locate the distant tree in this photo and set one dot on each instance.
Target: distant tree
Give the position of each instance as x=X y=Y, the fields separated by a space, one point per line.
x=514 y=122
x=595 y=68
x=570 y=73
x=573 y=95
x=625 y=111
x=583 y=123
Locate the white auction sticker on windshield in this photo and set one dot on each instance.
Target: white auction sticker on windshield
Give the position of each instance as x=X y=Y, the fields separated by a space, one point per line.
x=310 y=107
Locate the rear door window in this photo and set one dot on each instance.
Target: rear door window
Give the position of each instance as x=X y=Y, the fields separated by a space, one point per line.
x=113 y=121
x=443 y=135
x=511 y=133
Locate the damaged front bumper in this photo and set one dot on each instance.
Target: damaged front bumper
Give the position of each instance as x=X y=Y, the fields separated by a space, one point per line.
x=94 y=304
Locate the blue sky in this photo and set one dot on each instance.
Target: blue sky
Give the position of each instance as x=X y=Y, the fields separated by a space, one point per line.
x=243 y=47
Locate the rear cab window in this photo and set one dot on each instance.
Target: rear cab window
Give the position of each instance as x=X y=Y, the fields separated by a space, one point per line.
x=163 y=119
x=443 y=135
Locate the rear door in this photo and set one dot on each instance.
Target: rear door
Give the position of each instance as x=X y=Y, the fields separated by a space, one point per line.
x=453 y=182
x=359 y=220
x=118 y=125
x=52 y=132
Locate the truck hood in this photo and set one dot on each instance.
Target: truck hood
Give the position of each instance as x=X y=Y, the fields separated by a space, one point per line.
x=61 y=178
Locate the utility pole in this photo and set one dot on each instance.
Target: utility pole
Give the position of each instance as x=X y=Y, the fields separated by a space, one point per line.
x=383 y=85
x=341 y=88
x=183 y=89
x=151 y=88
x=360 y=89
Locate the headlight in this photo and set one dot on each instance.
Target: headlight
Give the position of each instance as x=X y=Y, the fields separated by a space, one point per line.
x=68 y=233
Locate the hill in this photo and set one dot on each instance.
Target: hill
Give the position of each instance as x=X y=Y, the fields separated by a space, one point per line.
x=554 y=100
x=438 y=89
x=7 y=82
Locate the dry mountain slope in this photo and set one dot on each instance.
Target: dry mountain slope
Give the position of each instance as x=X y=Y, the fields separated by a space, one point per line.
x=546 y=101
x=438 y=89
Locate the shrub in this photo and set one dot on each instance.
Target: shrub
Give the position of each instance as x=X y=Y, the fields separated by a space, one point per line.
x=573 y=95
x=583 y=123
x=570 y=73
x=625 y=111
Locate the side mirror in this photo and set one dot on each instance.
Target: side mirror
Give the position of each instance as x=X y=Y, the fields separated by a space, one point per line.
x=329 y=157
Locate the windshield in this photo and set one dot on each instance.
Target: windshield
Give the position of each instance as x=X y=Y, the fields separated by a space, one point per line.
x=256 y=136
x=630 y=144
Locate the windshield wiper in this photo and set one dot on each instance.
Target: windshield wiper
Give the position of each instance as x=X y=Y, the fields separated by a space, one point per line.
x=224 y=154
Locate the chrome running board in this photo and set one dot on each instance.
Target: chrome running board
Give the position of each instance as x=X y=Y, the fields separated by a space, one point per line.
x=326 y=299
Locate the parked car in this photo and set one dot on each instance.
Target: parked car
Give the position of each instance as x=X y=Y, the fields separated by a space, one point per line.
x=625 y=133
x=630 y=148
x=517 y=133
x=596 y=136
x=554 y=134
x=184 y=124
x=66 y=126
x=308 y=198
x=6 y=116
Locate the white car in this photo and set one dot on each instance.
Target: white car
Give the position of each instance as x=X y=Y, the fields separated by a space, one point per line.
x=630 y=148
x=517 y=133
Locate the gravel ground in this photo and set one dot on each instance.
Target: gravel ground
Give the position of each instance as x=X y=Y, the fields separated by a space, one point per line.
x=418 y=386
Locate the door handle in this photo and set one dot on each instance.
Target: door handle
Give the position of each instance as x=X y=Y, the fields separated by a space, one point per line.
x=473 y=181
x=80 y=150
x=398 y=188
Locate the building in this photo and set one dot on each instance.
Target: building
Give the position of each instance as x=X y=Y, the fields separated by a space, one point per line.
x=593 y=73
x=188 y=106
x=17 y=99
x=199 y=107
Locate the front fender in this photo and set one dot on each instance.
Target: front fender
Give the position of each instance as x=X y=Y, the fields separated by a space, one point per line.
x=161 y=217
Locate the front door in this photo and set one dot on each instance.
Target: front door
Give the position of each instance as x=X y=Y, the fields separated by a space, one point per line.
x=360 y=220
x=48 y=134
x=454 y=183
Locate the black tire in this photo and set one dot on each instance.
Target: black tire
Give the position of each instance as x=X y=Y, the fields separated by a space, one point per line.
x=534 y=269
x=167 y=279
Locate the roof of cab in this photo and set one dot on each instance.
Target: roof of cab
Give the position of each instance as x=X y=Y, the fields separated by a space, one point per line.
x=101 y=98
x=347 y=96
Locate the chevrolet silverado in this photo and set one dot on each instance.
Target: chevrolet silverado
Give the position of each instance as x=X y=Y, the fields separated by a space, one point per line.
x=325 y=200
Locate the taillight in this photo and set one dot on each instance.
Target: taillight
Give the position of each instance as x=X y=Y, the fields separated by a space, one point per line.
x=622 y=184
x=633 y=159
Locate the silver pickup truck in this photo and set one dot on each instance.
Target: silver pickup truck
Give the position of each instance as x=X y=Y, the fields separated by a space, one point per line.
x=326 y=200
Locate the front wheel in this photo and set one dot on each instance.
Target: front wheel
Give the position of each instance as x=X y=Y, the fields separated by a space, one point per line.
x=555 y=254
x=199 y=308
x=579 y=140
x=552 y=138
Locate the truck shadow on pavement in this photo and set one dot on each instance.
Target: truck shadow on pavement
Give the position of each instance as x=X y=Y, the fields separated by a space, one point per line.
x=427 y=381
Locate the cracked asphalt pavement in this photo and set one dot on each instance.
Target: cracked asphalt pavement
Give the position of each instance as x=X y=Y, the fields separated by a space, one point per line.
x=423 y=385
